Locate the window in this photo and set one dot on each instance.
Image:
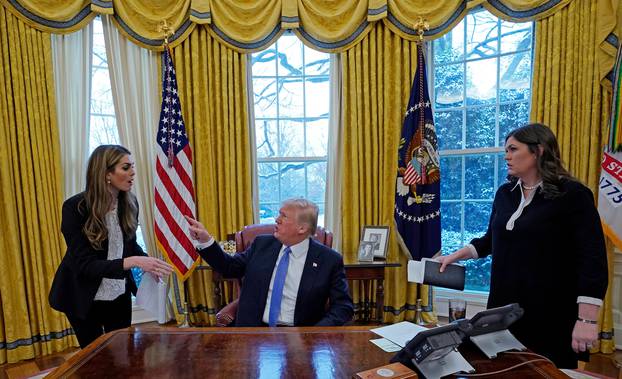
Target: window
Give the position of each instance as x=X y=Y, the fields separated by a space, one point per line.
x=103 y=123
x=482 y=90
x=291 y=99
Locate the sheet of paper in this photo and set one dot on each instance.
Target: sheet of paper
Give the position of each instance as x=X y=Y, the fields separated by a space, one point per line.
x=415 y=271
x=386 y=345
x=147 y=296
x=399 y=333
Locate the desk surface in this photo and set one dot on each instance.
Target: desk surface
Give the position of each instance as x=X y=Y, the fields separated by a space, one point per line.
x=332 y=352
x=306 y=352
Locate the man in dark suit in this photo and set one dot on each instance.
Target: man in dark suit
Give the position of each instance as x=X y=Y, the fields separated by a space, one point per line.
x=288 y=277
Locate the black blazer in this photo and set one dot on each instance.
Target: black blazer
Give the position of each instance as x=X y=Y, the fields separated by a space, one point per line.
x=323 y=279
x=82 y=269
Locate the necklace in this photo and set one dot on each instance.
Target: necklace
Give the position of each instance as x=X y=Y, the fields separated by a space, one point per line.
x=531 y=187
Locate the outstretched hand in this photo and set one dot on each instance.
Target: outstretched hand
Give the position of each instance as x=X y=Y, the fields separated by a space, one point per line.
x=152 y=265
x=197 y=230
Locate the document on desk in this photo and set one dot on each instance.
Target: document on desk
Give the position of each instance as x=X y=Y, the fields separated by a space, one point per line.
x=399 y=333
x=386 y=345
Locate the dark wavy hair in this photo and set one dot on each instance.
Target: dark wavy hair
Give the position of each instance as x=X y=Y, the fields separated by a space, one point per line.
x=541 y=141
x=97 y=197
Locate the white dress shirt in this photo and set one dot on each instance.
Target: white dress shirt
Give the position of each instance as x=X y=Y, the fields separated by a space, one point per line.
x=292 y=282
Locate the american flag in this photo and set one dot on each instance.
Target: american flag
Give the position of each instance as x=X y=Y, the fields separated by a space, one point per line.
x=174 y=187
x=417 y=198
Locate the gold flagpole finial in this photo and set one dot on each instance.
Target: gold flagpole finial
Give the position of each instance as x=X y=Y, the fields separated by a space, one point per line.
x=421 y=26
x=165 y=28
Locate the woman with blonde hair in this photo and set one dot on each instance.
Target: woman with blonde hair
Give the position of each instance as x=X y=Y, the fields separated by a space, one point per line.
x=93 y=283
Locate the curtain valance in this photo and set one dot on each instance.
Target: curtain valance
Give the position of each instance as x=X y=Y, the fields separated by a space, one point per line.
x=328 y=25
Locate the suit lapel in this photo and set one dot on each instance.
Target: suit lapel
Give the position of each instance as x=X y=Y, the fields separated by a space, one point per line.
x=313 y=264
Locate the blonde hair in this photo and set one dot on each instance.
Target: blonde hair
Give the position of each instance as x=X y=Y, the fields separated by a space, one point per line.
x=98 y=199
x=307 y=212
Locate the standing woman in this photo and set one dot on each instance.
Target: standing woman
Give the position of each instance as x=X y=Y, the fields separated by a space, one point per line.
x=548 y=250
x=93 y=282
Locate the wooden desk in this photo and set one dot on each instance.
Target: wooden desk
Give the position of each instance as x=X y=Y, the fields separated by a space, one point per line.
x=332 y=352
x=308 y=352
x=368 y=272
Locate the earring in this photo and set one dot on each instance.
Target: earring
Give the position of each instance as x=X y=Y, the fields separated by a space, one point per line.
x=108 y=181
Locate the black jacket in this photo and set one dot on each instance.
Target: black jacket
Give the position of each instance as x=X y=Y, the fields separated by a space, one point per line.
x=82 y=269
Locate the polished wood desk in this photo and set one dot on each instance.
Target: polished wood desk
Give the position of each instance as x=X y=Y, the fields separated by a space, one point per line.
x=364 y=271
x=232 y=353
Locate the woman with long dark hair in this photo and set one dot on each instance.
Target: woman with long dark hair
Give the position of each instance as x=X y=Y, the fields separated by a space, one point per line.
x=93 y=283
x=548 y=249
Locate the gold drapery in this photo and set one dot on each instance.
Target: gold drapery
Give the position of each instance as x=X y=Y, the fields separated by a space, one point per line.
x=568 y=96
x=377 y=77
x=212 y=91
x=245 y=26
x=30 y=180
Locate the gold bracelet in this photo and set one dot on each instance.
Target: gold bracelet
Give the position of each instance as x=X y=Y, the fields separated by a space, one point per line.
x=593 y=322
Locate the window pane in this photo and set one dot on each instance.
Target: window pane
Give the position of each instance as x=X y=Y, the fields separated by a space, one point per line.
x=103 y=131
x=292 y=142
x=511 y=116
x=482 y=32
x=317 y=138
x=316 y=62
x=317 y=103
x=476 y=216
x=264 y=62
x=451 y=235
x=482 y=82
x=450 y=47
x=316 y=181
x=265 y=97
x=449 y=127
x=266 y=138
x=268 y=212
x=289 y=55
x=515 y=36
x=268 y=181
x=451 y=182
x=515 y=77
x=291 y=97
x=449 y=86
x=478 y=274
x=480 y=130
x=480 y=177
x=292 y=179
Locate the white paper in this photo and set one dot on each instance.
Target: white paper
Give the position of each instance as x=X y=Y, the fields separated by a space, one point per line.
x=399 y=333
x=415 y=271
x=151 y=296
x=386 y=345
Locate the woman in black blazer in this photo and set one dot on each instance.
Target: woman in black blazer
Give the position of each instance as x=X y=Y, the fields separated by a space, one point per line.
x=93 y=282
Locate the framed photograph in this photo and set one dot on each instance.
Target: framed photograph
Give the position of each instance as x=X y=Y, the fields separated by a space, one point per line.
x=379 y=236
x=366 y=251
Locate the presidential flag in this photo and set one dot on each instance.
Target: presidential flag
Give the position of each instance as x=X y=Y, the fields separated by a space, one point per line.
x=610 y=186
x=174 y=187
x=417 y=197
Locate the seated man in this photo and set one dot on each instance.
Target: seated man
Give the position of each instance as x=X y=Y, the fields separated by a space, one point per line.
x=288 y=277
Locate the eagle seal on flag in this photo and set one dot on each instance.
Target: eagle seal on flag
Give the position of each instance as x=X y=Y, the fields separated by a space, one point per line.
x=417 y=198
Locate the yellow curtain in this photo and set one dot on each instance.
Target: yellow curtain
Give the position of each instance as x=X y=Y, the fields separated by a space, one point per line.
x=567 y=95
x=31 y=195
x=377 y=78
x=212 y=91
x=246 y=26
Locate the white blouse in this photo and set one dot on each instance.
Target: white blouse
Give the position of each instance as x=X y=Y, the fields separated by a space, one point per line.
x=110 y=289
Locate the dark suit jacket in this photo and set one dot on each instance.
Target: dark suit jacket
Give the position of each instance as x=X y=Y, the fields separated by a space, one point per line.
x=323 y=278
x=81 y=271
